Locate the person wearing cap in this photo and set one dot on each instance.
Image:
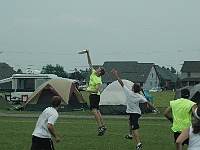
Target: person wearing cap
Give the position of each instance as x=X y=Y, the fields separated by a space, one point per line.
x=193 y=133
x=180 y=114
x=41 y=139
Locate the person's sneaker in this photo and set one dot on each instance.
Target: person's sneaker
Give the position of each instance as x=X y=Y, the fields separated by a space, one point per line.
x=129 y=137
x=102 y=130
x=139 y=146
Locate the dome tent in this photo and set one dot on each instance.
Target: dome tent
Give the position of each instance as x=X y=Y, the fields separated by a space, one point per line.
x=4 y=103
x=71 y=97
x=113 y=99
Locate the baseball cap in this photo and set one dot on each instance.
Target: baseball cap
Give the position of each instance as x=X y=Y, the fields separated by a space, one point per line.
x=185 y=93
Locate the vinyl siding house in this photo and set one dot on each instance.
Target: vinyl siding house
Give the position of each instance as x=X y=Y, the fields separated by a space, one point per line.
x=167 y=78
x=190 y=73
x=142 y=73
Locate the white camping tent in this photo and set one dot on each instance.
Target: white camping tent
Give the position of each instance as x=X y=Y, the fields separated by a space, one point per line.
x=113 y=99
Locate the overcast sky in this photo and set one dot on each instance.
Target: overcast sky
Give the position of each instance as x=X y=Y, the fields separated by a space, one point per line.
x=34 y=33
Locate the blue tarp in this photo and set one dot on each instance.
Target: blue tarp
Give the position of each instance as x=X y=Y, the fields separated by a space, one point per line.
x=148 y=96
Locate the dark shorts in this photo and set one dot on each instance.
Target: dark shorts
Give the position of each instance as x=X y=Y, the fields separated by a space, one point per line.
x=176 y=135
x=134 y=121
x=94 y=101
x=42 y=143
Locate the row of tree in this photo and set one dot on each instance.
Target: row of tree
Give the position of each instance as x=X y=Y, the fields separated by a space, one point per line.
x=81 y=74
x=59 y=71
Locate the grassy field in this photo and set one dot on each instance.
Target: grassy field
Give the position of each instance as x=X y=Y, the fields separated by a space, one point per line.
x=81 y=134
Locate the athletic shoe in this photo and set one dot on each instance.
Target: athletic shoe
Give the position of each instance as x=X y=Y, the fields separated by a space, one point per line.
x=139 y=146
x=128 y=137
x=102 y=130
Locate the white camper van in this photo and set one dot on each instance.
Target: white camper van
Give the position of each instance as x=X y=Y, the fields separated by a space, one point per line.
x=23 y=85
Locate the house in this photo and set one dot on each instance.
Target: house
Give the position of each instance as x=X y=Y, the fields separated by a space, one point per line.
x=5 y=72
x=167 y=78
x=142 y=73
x=190 y=73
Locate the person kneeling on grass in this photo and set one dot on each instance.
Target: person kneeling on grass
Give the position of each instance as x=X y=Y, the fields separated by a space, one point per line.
x=133 y=98
x=44 y=128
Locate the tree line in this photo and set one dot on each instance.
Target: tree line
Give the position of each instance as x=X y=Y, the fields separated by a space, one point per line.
x=60 y=72
x=82 y=74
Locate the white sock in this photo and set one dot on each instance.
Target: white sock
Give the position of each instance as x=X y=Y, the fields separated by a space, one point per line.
x=130 y=135
x=139 y=144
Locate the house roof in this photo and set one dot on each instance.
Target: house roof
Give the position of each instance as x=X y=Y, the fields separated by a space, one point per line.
x=129 y=70
x=190 y=79
x=166 y=74
x=6 y=71
x=191 y=66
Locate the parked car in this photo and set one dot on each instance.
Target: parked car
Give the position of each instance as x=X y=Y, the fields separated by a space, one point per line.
x=156 y=89
x=80 y=87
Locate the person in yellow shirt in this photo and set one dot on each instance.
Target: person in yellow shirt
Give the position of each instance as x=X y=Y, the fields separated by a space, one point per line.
x=181 y=110
x=94 y=85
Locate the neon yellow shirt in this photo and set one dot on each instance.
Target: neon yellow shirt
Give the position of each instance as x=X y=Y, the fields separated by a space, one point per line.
x=182 y=114
x=94 y=80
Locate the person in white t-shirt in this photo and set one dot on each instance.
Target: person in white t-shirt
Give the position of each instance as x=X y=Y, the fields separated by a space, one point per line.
x=41 y=139
x=133 y=98
x=192 y=132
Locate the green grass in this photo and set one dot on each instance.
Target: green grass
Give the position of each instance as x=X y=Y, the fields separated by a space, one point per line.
x=161 y=99
x=81 y=134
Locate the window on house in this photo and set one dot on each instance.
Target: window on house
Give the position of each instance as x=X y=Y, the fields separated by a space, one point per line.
x=188 y=74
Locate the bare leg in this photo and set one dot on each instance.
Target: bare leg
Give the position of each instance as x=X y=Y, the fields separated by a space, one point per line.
x=129 y=136
x=101 y=118
x=98 y=116
x=136 y=134
x=130 y=129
